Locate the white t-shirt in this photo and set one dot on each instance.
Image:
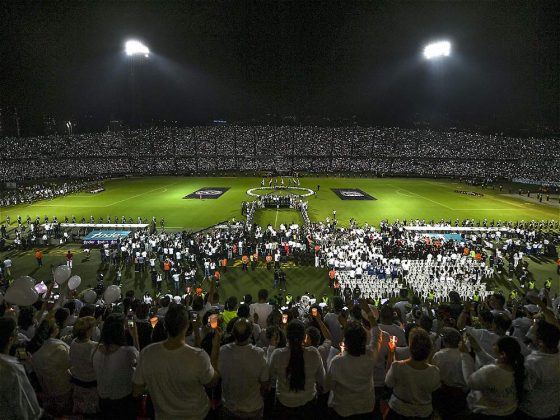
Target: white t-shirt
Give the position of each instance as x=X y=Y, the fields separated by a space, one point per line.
x=314 y=373
x=243 y=369
x=350 y=380
x=114 y=372
x=542 y=385
x=412 y=389
x=262 y=310
x=492 y=390
x=448 y=361
x=81 y=360
x=175 y=380
x=51 y=363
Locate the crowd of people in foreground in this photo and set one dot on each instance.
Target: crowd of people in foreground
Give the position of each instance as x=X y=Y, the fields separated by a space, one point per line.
x=388 y=151
x=194 y=357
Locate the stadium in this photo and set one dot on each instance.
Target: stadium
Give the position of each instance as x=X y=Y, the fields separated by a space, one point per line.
x=289 y=210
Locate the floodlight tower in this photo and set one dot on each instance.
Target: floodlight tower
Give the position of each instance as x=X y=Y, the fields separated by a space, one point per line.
x=136 y=52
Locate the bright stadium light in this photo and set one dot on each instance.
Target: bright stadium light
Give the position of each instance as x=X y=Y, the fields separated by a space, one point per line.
x=437 y=49
x=134 y=47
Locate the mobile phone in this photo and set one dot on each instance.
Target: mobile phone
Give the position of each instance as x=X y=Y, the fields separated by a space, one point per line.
x=356 y=302
x=194 y=316
x=21 y=353
x=130 y=323
x=284 y=318
x=314 y=311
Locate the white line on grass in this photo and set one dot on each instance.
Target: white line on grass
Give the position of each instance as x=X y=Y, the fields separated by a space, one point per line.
x=426 y=198
x=276 y=219
x=141 y=194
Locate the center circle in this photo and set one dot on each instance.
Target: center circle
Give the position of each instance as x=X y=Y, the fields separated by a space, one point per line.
x=307 y=192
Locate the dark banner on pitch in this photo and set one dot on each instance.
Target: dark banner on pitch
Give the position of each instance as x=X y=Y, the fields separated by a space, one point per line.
x=208 y=192
x=352 y=194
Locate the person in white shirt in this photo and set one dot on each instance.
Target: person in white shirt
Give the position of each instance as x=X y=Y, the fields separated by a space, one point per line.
x=84 y=384
x=386 y=324
x=51 y=363
x=262 y=309
x=244 y=373
x=496 y=386
x=114 y=363
x=298 y=371
x=542 y=380
x=350 y=376
x=413 y=380
x=17 y=397
x=450 y=399
x=175 y=373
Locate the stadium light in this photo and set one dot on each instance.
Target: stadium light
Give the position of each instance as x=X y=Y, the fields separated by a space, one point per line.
x=437 y=49
x=134 y=47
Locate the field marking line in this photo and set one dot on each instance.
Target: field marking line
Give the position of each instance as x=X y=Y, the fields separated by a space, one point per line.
x=141 y=194
x=426 y=198
x=276 y=219
x=403 y=194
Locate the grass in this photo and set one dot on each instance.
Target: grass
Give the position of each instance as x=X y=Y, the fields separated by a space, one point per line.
x=163 y=197
x=396 y=198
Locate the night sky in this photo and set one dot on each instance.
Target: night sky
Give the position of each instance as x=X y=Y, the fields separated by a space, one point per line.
x=244 y=60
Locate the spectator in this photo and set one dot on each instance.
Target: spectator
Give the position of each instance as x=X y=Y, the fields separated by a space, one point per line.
x=17 y=397
x=298 y=371
x=413 y=380
x=244 y=374
x=114 y=363
x=350 y=377
x=175 y=373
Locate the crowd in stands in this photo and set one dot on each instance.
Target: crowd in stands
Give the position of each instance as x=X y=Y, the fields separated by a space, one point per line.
x=27 y=194
x=356 y=150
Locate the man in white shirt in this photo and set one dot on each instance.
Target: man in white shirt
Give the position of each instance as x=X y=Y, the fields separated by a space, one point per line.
x=386 y=324
x=244 y=373
x=262 y=308
x=542 y=369
x=175 y=373
x=17 y=397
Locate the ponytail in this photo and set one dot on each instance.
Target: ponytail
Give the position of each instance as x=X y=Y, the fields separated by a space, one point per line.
x=295 y=371
x=510 y=346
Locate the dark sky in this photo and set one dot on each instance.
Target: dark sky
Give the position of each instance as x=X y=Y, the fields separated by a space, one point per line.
x=240 y=60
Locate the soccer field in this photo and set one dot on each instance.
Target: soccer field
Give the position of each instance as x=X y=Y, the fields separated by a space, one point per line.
x=392 y=198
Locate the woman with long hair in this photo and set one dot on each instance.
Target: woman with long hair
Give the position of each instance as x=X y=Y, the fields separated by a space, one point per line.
x=114 y=362
x=298 y=371
x=496 y=387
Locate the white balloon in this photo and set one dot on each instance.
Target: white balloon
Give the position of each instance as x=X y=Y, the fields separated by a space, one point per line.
x=61 y=274
x=90 y=296
x=21 y=297
x=112 y=294
x=74 y=282
x=40 y=288
x=24 y=283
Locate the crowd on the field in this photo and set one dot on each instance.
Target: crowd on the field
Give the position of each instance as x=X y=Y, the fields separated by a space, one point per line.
x=381 y=151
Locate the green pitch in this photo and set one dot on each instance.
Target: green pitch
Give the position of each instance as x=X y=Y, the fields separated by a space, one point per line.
x=163 y=197
x=395 y=198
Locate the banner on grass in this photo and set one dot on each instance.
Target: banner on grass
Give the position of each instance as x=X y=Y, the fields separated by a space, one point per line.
x=208 y=192
x=105 y=236
x=352 y=194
